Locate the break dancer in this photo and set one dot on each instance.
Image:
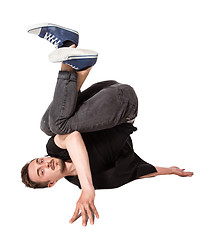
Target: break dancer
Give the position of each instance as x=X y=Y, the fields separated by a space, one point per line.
x=90 y=143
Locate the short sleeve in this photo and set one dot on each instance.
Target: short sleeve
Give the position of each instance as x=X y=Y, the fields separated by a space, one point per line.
x=54 y=151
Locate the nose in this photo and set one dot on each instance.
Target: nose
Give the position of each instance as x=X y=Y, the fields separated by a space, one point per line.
x=47 y=164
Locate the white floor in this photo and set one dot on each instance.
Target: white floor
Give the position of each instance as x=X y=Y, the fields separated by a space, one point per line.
x=164 y=49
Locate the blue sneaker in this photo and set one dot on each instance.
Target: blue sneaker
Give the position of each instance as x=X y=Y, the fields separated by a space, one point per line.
x=55 y=34
x=79 y=59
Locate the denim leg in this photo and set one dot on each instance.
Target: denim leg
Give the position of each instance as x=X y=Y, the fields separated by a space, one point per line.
x=109 y=107
x=63 y=104
x=103 y=105
x=44 y=125
x=94 y=89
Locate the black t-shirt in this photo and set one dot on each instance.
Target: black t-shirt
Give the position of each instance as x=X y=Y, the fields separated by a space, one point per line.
x=112 y=159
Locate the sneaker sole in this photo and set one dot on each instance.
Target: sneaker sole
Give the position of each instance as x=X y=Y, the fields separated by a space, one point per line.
x=63 y=54
x=36 y=29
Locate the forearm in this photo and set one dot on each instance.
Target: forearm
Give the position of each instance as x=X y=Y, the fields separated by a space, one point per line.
x=171 y=170
x=163 y=171
x=79 y=155
x=160 y=171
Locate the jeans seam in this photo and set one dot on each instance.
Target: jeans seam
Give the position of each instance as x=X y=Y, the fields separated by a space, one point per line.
x=62 y=108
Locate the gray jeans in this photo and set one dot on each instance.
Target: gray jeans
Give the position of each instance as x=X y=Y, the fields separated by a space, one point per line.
x=101 y=106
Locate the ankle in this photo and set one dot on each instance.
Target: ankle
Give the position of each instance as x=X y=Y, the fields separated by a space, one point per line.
x=67 y=68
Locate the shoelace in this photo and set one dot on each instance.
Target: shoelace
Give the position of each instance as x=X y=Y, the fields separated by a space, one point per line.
x=52 y=39
x=76 y=68
x=73 y=66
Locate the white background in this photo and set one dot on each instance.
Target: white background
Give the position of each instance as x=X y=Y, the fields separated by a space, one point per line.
x=164 y=49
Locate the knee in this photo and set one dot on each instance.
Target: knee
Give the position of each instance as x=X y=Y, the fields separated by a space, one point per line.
x=60 y=127
x=44 y=125
x=129 y=93
x=129 y=88
x=56 y=128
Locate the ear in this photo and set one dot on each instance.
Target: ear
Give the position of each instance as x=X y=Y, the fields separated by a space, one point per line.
x=51 y=183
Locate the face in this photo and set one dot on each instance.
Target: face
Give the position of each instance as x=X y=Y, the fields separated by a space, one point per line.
x=46 y=169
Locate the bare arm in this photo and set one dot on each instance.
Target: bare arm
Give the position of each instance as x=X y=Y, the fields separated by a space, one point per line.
x=78 y=153
x=167 y=171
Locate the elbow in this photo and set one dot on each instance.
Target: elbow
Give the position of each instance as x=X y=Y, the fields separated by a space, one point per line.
x=75 y=134
x=73 y=137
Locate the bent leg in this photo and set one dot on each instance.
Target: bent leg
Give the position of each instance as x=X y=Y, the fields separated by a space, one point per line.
x=103 y=105
x=67 y=100
x=63 y=104
x=94 y=89
x=44 y=124
x=111 y=106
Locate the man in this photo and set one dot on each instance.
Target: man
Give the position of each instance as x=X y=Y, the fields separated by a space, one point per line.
x=90 y=142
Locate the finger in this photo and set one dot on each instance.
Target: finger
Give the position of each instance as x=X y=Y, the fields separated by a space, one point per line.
x=95 y=210
x=90 y=214
x=84 y=217
x=187 y=174
x=75 y=215
x=78 y=216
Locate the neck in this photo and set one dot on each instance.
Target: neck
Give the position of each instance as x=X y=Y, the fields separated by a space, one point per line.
x=69 y=169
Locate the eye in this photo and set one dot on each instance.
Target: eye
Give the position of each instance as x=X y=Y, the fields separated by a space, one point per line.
x=42 y=172
x=42 y=161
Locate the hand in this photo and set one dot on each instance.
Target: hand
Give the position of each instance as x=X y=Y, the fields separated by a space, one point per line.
x=180 y=172
x=85 y=204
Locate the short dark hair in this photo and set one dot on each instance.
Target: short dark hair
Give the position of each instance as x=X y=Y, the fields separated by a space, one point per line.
x=27 y=181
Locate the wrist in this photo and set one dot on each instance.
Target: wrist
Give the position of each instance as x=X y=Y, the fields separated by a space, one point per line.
x=164 y=171
x=89 y=192
x=172 y=170
x=88 y=188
